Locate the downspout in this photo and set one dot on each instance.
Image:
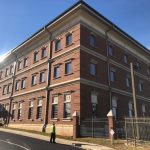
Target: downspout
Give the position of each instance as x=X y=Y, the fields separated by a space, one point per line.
x=48 y=80
x=12 y=90
x=108 y=67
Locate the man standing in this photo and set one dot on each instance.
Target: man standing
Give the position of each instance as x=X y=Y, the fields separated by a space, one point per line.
x=53 y=133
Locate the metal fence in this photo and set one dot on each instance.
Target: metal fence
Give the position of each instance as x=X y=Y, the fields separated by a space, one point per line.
x=137 y=129
x=95 y=127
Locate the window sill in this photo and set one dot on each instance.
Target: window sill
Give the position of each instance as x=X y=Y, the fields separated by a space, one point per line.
x=54 y=119
x=67 y=119
x=22 y=88
x=33 y=84
x=35 y=62
x=93 y=47
x=13 y=120
x=43 y=57
x=92 y=75
x=58 y=50
x=41 y=82
x=25 y=66
x=69 y=45
x=39 y=119
x=69 y=74
x=56 y=77
x=31 y=119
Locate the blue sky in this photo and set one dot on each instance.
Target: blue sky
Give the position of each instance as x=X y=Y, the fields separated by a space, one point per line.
x=19 y=19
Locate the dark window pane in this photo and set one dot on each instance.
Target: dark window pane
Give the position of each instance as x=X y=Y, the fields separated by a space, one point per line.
x=69 y=39
x=67 y=110
x=54 y=110
x=57 y=45
x=68 y=68
x=92 y=40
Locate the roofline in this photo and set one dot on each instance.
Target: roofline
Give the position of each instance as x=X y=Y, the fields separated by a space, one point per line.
x=115 y=27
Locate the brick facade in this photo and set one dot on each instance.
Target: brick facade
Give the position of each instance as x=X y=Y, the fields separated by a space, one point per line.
x=71 y=82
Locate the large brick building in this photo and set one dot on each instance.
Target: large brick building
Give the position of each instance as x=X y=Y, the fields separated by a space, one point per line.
x=78 y=59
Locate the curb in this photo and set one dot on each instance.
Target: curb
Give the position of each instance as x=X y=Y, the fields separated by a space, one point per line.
x=82 y=145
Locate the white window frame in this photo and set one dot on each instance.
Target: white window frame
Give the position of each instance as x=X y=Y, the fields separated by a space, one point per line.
x=34 y=78
x=143 y=110
x=54 y=103
x=114 y=106
x=141 y=86
x=39 y=104
x=42 y=76
x=130 y=108
x=112 y=75
x=67 y=100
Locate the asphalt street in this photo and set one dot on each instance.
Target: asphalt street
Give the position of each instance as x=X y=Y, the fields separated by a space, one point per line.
x=9 y=141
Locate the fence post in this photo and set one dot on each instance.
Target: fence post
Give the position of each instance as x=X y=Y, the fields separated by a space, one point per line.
x=111 y=125
x=75 y=125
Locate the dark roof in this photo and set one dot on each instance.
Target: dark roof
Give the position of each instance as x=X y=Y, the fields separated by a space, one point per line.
x=97 y=13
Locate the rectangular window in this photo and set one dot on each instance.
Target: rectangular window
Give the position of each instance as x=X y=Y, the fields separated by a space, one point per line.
x=17 y=85
x=30 y=112
x=13 y=111
x=148 y=71
x=114 y=106
x=141 y=86
x=39 y=109
x=4 y=89
x=35 y=57
x=112 y=75
x=6 y=73
x=69 y=39
x=125 y=58
x=68 y=68
x=42 y=77
x=128 y=81
x=67 y=105
x=54 y=107
x=9 y=88
x=130 y=105
x=19 y=65
x=143 y=110
x=92 y=41
x=25 y=64
x=23 y=84
x=11 y=69
x=56 y=72
x=110 y=50
x=33 y=82
x=57 y=45
x=138 y=66
x=43 y=54
x=93 y=69
x=20 y=111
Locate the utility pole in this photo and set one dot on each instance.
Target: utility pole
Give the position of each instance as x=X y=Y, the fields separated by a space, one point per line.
x=133 y=90
x=134 y=99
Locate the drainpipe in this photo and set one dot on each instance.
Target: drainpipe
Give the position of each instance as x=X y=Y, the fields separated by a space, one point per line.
x=12 y=91
x=48 y=80
x=108 y=66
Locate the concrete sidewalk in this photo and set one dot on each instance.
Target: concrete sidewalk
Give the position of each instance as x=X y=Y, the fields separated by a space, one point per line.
x=83 y=145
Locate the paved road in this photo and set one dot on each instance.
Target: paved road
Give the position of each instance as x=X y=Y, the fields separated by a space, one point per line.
x=9 y=141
